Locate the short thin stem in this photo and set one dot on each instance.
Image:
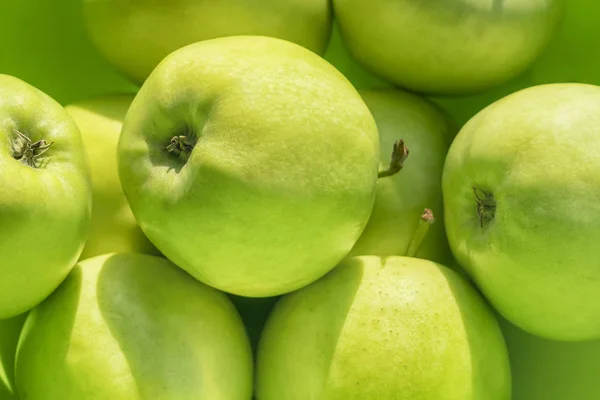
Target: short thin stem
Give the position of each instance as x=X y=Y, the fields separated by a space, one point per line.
x=425 y=222
x=399 y=155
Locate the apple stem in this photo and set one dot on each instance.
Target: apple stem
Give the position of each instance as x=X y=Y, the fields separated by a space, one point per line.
x=426 y=220
x=181 y=146
x=486 y=206
x=27 y=151
x=399 y=155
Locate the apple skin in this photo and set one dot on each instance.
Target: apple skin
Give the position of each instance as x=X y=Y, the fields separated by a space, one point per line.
x=10 y=330
x=131 y=327
x=44 y=210
x=393 y=328
x=113 y=228
x=136 y=35
x=400 y=199
x=285 y=163
x=550 y=370
x=535 y=154
x=447 y=46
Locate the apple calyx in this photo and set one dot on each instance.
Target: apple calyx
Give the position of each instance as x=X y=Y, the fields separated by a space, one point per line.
x=28 y=152
x=399 y=155
x=427 y=219
x=486 y=206
x=181 y=146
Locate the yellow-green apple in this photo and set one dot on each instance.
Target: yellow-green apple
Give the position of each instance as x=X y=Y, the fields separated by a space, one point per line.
x=10 y=330
x=45 y=196
x=130 y=327
x=393 y=328
x=447 y=46
x=136 y=35
x=401 y=198
x=239 y=152
x=520 y=188
x=113 y=228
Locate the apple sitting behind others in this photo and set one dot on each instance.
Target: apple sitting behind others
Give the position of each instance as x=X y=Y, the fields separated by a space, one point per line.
x=393 y=328
x=113 y=228
x=134 y=327
x=136 y=35
x=447 y=46
x=401 y=198
x=10 y=330
x=45 y=199
x=239 y=152
x=520 y=189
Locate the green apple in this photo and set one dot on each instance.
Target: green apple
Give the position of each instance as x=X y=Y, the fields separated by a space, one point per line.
x=45 y=44
x=10 y=330
x=131 y=327
x=401 y=198
x=251 y=163
x=549 y=370
x=520 y=188
x=136 y=35
x=447 y=46
x=45 y=199
x=113 y=228
x=383 y=328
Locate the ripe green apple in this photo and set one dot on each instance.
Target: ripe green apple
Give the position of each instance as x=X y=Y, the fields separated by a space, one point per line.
x=549 y=370
x=136 y=35
x=447 y=46
x=45 y=44
x=383 y=328
x=251 y=163
x=131 y=327
x=520 y=189
x=45 y=199
x=401 y=198
x=10 y=330
x=113 y=228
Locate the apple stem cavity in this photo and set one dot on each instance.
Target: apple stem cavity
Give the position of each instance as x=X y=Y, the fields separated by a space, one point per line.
x=181 y=146
x=28 y=152
x=399 y=155
x=426 y=220
x=486 y=206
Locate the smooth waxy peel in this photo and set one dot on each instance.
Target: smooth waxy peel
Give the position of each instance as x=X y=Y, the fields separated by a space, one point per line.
x=10 y=330
x=136 y=35
x=46 y=197
x=113 y=226
x=520 y=191
x=134 y=327
x=383 y=328
x=447 y=46
x=279 y=157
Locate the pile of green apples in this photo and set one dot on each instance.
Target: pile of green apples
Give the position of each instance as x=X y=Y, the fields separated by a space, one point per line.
x=299 y=200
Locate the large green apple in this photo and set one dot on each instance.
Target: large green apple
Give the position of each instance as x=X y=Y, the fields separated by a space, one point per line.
x=447 y=46
x=392 y=328
x=549 y=370
x=251 y=163
x=133 y=327
x=520 y=189
x=45 y=44
x=113 y=227
x=136 y=35
x=401 y=198
x=10 y=330
x=45 y=195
